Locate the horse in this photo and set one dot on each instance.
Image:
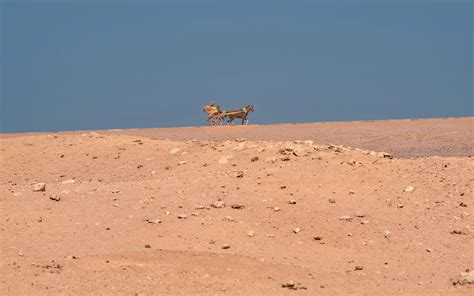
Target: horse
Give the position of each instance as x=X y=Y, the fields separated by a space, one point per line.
x=240 y=113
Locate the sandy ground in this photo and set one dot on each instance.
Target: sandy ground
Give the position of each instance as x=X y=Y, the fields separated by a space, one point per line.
x=132 y=213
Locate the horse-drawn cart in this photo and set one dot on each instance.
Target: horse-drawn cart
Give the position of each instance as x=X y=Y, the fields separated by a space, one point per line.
x=215 y=118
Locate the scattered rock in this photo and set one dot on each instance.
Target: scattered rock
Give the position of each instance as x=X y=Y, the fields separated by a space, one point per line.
x=39 y=187
x=182 y=216
x=297 y=230
x=462 y=204
x=464 y=231
x=270 y=160
x=359 y=214
x=346 y=218
x=253 y=159
x=359 y=267
x=237 y=206
x=251 y=233
x=317 y=238
x=225 y=247
x=228 y=219
x=276 y=209
x=400 y=206
x=239 y=174
x=409 y=189
x=175 y=150
x=292 y=285
x=225 y=159
x=465 y=278
x=387 y=233
x=332 y=200
x=285 y=158
x=183 y=162
x=55 y=197
x=70 y=181
x=218 y=204
x=153 y=221
x=292 y=202
x=363 y=222
x=147 y=246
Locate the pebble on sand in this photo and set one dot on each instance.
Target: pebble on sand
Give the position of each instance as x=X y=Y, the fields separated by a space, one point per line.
x=39 y=187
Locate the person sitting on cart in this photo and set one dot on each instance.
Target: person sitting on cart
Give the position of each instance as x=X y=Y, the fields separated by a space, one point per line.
x=214 y=109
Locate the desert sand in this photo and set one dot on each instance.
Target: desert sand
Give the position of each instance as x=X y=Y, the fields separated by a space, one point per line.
x=363 y=208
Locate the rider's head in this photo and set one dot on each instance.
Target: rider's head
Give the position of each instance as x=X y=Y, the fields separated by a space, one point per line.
x=212 y=103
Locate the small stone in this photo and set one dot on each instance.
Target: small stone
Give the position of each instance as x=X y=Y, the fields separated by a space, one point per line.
x=292 y=202
x=237 y=206
x=147 y=246
x=359 y=267
x=466 y=278
x=225 y=159
x=153 y=221
x=387 y=233
x=317 y=238
x=253 y=159
x=39 y=187
x=359 y=214
x=428 y=250
x=70 y=181
x=261 y=149
x=251 y=233
x=346 y=218
x=462 y=204
x=409 y=189
x=225 y=247
x=55 y=197
x=182 y=216
x=228 y=219
x=285 y=158
x=297 y=230
x=400 y=206
x=183 y=162
x=351 y=192
x=332 y=200
x=218 y=204
x=200 y=207
x=239 y=174
x=175 y=150
x=363 y=222
x=270 y=160
x=276 y=209
x=292 y=285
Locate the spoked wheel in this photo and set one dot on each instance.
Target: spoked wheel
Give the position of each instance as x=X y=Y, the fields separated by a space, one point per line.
x=216 y=120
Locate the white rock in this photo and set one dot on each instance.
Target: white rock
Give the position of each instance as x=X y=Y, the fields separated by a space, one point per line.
x=271 y=160
x=218 y=204
x=409 y=189
x=39 y=187
x=183 y=162
x=70 y=181
x=175 y=150
x=55 y=197
x=225 y=159
x=387 y=233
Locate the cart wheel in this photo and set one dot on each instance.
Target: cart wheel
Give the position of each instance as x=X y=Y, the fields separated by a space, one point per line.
x=216 y=120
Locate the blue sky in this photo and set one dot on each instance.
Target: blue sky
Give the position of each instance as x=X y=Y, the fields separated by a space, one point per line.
x=74 y=65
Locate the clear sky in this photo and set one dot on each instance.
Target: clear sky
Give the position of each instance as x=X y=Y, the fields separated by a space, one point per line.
x=69 y=65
